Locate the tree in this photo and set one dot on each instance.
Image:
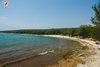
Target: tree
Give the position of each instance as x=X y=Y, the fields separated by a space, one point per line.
x=85 y=31
x=96 y=21
x=71 y=32
x=96 y=33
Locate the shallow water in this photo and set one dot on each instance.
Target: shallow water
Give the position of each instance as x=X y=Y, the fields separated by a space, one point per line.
x=15 y=46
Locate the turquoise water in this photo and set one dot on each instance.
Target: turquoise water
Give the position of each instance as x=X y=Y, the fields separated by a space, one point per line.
x=13 y=46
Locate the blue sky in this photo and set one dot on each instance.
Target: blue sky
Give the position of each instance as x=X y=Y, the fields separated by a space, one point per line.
x=43 y=14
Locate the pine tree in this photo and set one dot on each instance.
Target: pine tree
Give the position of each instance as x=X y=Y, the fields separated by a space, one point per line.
x=96 y=19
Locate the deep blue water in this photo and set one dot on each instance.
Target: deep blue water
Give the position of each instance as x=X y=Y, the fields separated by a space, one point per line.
x=13 y=46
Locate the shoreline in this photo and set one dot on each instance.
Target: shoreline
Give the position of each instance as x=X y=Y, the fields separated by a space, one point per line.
x=28 y=57
x=82 y=41
x=93 y=60
x=91 y=44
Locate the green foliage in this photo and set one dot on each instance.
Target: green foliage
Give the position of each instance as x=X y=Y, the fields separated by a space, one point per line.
x=59 y=31
x=85 y=31
x=96 y=33
x=36 y=31
x=96 y=20
x=71 y=32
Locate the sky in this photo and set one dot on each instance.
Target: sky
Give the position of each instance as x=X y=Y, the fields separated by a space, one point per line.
x=45 y=14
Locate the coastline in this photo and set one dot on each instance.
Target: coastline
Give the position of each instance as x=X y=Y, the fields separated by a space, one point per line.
x=92 y=60
x=91 y=44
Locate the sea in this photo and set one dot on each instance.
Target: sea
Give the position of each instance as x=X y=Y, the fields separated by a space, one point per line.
x=17 y=46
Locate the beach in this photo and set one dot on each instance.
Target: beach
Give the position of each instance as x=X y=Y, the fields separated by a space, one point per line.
x=93 y=59
x=50 y=60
